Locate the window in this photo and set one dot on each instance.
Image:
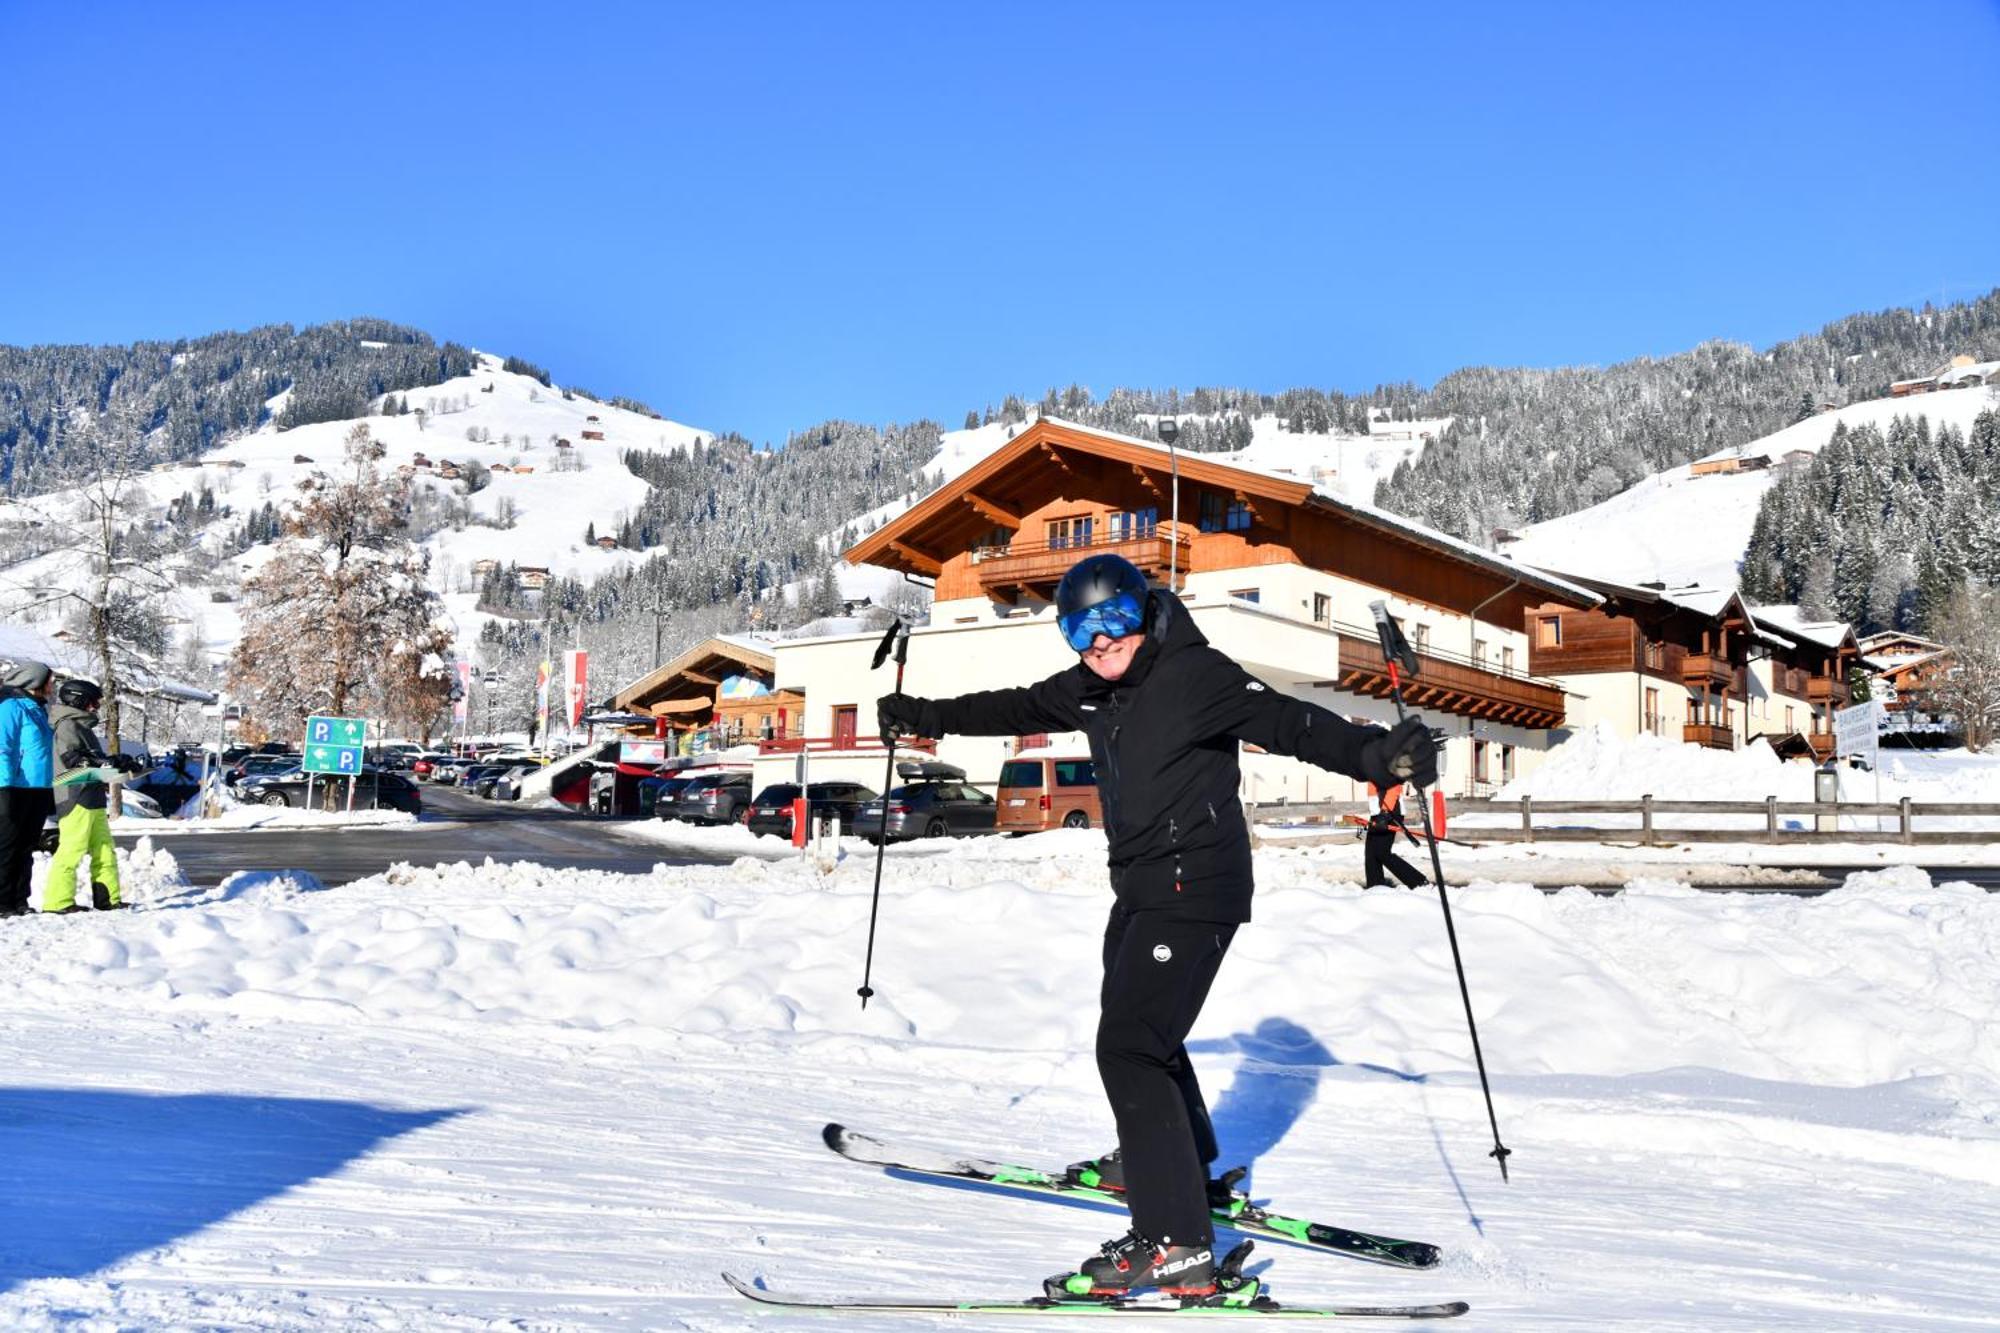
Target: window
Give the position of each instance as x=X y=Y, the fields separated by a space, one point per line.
x=1479 y=651
x=1653 y=711
x=1507 y=658
x=1790 y=726
x=1130 y=524
x=1223 y=513
x=1548 y=632
x=1656 y=655
x=1423 y=642
x=845 y=718
x=1479 y=769
x=1075 y=773
x=1322 y=609
x=1069 y=532
x=1506 y=763
x=1247 y=594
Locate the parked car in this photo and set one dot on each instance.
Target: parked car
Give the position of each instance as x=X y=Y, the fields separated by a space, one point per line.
x=372 y=788
x=771 y=812
x=935 y=802
x=397 y=756
x=507 y=787
x=449 y=770
x=478 y=780
x=1045 y=792
x=658 y=793
x=714 y=798
x=259 y=765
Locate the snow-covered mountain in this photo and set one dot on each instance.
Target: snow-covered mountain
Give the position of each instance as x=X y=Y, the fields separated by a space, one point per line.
x=1680 y=528
x=505 y=425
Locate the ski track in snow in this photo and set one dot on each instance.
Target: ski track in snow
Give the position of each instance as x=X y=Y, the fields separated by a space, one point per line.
x=513 y=1097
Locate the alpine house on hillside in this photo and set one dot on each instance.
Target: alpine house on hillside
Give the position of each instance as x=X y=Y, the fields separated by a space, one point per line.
x=1695 y=664
x=1276 y=575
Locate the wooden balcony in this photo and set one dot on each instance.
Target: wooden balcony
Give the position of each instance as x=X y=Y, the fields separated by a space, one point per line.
x=1449 y=684
x=1827 y=690
x=1037 y=567
x=1822 y=745
x=1712 y=734
x=1714 y=670
x=841 y=745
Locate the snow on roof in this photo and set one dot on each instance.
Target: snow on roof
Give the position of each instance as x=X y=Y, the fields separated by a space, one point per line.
x=1791 y=623
x=1367 y=513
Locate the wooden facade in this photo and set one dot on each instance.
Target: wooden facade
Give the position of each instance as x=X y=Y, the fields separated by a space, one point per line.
x=687 y=696
x=1655 y=637
x=1007 y=529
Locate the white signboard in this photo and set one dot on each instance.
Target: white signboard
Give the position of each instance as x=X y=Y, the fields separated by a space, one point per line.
x=1856 y=729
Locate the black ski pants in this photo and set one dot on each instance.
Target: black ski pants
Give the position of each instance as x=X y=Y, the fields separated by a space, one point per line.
x=1378 y=851
x=1157 y=971
x=22 y=810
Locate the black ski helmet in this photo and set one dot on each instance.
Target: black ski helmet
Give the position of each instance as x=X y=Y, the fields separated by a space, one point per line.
x=1097 y=579
x=79 y=693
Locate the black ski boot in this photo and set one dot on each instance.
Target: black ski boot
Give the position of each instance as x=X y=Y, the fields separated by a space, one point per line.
x=101 y=899
x=1105 y=1173
x=1132 y=1263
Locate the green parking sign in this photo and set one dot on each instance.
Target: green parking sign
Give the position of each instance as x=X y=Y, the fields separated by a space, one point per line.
x=334 y=745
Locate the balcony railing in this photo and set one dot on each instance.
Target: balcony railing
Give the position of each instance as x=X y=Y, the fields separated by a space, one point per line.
x=1711 y=669
x=1827 y=690
x=843 y=743
x=1448 y=683
x=1712 y=734
x=1042 y=564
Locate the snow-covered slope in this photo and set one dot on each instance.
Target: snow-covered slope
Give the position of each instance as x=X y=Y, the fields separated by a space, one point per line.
x=1679 y=528
x=556 y=494
x=510 y=1096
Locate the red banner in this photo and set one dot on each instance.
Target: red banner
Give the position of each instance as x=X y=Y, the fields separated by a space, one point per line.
x=576 y=673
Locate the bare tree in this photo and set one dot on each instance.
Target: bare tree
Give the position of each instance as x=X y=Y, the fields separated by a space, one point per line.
x=1966 y=685
x=105 y=555
x=341 y=617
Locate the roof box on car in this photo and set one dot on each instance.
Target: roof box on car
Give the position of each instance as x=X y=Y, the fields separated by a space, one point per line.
x=914 y=770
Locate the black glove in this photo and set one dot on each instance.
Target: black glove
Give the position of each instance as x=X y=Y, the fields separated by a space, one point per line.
x=1406 y=752
x=898 y=715
x=126 y=763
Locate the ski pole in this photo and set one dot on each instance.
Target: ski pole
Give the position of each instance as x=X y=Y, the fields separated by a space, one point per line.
x=898 y=638
x=1397 y=653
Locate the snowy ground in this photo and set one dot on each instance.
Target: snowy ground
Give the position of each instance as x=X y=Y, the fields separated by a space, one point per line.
x=525 y=1098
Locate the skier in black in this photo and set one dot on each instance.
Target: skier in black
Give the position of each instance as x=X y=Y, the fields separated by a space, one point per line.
x=1164 y=712
x=1379 y=843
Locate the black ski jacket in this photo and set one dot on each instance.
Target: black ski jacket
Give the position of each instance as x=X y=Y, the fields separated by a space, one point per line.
x=1164 y=741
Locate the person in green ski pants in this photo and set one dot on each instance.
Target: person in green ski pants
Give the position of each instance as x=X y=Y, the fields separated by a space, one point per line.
x=81 y=770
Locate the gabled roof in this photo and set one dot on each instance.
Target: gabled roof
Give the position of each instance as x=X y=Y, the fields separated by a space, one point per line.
x=1789 y=622
x=700 y=667
x=1707 y=603
x=981 y=493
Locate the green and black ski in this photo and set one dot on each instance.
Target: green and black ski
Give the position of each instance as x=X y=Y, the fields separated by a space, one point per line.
x=1253 y=1306
x=1238 y=1214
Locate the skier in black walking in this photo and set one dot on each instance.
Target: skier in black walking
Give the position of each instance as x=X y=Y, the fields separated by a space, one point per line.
x=1164 y=712
x=1379 y=842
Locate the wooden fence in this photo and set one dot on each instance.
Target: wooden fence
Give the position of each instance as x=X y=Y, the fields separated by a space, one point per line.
x=1826 y=816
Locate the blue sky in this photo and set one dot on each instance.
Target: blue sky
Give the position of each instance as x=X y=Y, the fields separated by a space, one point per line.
x=756 y=217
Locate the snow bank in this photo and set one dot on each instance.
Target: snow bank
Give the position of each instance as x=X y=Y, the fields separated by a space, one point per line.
x=1889 y=978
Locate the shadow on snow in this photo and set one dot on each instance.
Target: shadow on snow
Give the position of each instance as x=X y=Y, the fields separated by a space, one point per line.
x=89 y=1176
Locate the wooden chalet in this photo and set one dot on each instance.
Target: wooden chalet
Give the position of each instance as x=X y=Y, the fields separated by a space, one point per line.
x=1277 y=575
x=1674 y=664
x=1803 y=670
x=717 y=694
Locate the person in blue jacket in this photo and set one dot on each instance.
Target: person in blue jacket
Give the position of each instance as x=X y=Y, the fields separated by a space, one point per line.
x=27 y=775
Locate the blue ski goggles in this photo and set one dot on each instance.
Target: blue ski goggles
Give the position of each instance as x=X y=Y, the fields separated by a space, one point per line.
x=1114 y=618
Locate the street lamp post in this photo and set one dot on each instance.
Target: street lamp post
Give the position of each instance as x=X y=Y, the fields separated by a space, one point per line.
x=1169 y=431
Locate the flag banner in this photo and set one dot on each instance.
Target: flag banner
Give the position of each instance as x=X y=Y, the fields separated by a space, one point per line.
x=463 y=702
x=576 y=672
x=542 y=699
